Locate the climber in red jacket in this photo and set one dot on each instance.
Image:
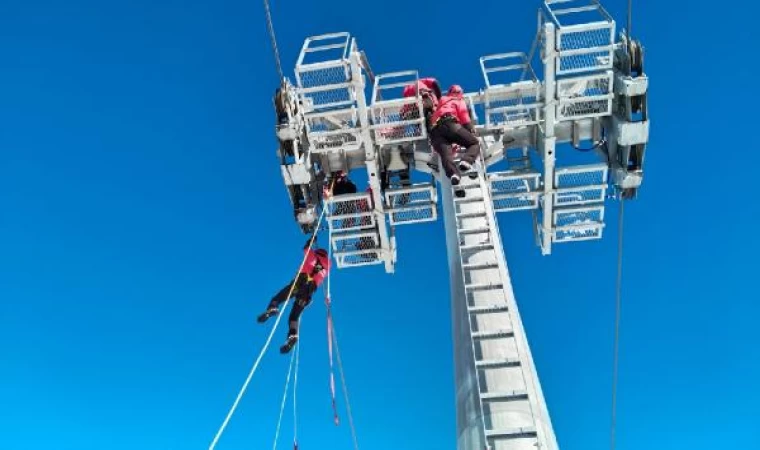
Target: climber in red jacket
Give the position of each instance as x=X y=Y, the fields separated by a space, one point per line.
x=452 y=125
x=429 y=91
x=313 y=272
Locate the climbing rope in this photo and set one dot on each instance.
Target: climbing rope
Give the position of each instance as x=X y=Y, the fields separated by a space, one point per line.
x=345 y=391
x=295 y=397
x=328 y=306
x=268 y=341
x=336 y=419
x=619 y=286
x=332 y=339
x=618 y=305
x=273 y=38
x=284 y=399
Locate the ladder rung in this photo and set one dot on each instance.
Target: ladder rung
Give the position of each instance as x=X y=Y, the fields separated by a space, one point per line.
x=497 y=363
x=488 y=309
x=471 y=214
x=461 y=200
x=483 y=286
x=474 y=230
x=481 y=265
x=512 y=433
x=504 y=396
x=484 y=335
x=482 y=246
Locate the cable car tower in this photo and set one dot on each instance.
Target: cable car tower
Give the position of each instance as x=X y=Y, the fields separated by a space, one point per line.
x=593 y=91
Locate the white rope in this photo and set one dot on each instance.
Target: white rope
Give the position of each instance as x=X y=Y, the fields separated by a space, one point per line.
x=295 y=394
x=245 y=385
x=618 y=306
x=340 y=362
x=269 y=339
x=345 y=389
x=284 y=399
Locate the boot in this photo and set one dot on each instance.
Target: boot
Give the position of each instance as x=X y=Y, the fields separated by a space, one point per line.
x=289 y=344
x=464 y=166
x=267 y=314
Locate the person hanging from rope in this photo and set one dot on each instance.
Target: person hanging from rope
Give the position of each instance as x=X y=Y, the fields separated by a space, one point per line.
x=452 y=125
x=314 y=270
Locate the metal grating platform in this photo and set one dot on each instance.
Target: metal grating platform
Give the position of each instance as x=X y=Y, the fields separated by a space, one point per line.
x=585 y=97
x=578 y=224
x=412 y=204
x=333 y=130
x=396 y=119
x=514 y=191
x=585 y=35
x=580 y=185
x=350 y=213
x=512 y=91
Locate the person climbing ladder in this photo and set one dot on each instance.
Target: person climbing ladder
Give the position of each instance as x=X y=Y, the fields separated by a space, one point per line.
x=315 y=268
x=452 y=125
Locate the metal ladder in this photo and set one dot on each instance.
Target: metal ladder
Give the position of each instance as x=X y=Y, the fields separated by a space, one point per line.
x=511 y=404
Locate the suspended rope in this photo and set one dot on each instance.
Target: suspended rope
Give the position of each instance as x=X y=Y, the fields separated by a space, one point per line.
x=336 y=419
x=245 y=384
x=345 y=391
x=268 y=341
x=284 y=399
x=332 y=339
x=295 y=398
x=619 y=283
x=328 y=306
x=618 y=305
x=273 y=38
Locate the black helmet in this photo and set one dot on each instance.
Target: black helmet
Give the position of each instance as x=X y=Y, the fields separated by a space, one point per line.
x=321 y=252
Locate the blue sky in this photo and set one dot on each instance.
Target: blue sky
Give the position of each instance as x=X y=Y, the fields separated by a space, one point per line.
x=143 y=225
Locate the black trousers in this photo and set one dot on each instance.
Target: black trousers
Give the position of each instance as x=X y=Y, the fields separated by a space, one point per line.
x=448 y=132
x=302 y=291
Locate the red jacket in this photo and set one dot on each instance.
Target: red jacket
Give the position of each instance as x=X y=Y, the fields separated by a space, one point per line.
x=429 y=91
x=454 y=106
x=424 y=85
x=312 y=259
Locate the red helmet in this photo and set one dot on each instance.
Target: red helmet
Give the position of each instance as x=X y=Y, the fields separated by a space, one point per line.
x=456 y=90
x=321 y=252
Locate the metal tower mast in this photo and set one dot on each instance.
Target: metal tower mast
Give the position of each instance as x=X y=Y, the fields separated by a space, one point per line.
x=593 y=91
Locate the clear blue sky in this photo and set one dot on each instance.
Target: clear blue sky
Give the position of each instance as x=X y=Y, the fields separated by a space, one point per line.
x=143 y=225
